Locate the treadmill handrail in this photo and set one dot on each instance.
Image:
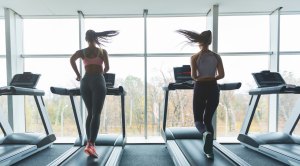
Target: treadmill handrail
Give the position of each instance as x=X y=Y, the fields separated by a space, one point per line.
x=13 y=90
x=275 y=90
x=185 y=85
x=76 y=91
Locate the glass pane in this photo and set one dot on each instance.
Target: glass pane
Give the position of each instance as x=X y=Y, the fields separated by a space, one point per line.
x=243 y=33
x=289 y=32
x=162 y=38
x=3 y=79
x=2 y=39
x=234 y=104
x=297 y=129
x=289 y=70
x=130 y=39
x=50 y=36
x=131 y=77
x=3 y=82
x=260 y=122
x=54 y=72
x=160 y=73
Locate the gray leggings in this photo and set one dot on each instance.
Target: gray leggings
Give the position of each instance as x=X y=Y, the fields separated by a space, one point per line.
x=93 y=91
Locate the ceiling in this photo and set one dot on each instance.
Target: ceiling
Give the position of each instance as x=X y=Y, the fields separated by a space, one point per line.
x=31 y=8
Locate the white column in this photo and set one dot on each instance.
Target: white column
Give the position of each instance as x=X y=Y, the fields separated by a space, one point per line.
x=81 y=68
x=212 y=24
x=14 y=65
x=274 y=66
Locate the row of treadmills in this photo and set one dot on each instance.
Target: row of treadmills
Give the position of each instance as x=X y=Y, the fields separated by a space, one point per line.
x=184 y=143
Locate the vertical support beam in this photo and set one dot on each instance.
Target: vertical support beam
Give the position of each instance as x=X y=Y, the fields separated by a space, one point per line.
x=145 y=13
x=81 y=68
x=14 y=65
x=166 y=99
x=212 y=24
x=274 y=66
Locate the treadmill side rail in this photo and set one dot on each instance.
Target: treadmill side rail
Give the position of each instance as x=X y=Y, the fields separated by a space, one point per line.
x=177 y=156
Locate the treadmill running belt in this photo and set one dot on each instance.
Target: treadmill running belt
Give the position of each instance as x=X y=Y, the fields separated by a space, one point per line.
x=81 y=159
x=12 y=150
x=192 y=149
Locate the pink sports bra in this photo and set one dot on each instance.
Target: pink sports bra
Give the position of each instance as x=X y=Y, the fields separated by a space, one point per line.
x=92 y=61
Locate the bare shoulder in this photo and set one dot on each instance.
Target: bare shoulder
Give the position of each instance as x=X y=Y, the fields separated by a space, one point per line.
x=217 y=55
x=79 y=54
x=104 y=51
x=194 y=56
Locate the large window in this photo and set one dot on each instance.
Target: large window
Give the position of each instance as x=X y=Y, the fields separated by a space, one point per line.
x=160 y=74
x=162 y=36
x=130 y=39
x=2 y=38
x=289 y=69
x=243 y=34
x=289 y=32
x=54 y=72
x=233 y=104
x=289 y=35
x=3 y=82
x=51 y=36
x=129 y=74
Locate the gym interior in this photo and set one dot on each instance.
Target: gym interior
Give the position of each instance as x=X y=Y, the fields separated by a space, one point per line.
x=147 y=118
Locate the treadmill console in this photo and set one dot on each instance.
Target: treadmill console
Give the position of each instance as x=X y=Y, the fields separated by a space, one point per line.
x=109 y=79
x=25 y=80
x=183 y=74
x=268 y=79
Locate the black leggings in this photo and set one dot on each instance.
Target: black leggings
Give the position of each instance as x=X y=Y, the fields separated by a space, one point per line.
x=93 y=92
x=205 y=102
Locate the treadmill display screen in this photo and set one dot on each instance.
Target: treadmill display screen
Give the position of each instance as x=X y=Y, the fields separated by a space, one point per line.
x=25 y=80
x=267 y=79
x=109 y=79
x=182 y=74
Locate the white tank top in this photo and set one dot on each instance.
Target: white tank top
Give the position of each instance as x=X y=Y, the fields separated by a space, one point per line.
x=207 y=64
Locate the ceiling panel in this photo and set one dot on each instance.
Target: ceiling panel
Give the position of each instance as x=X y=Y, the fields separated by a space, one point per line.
x=28 y=8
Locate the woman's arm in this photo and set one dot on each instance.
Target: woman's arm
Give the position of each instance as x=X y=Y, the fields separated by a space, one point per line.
x=73 y=59
x=106 y=61
x=194 y=67
x=220 y=69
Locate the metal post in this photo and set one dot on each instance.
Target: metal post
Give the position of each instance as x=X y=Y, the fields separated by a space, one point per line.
x=212 y=24
x=145 y=13
x=274 y=66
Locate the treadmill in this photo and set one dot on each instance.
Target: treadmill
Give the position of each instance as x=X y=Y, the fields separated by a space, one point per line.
x=282 y=146
x=185 y=144
x=109 y=146
x=17 y=146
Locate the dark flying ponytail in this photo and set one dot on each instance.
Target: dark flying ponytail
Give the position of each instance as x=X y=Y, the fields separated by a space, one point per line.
x=194 y=37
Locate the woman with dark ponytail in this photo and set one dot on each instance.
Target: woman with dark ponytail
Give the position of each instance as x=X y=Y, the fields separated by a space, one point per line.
x=92 y=85
x=206 y=69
